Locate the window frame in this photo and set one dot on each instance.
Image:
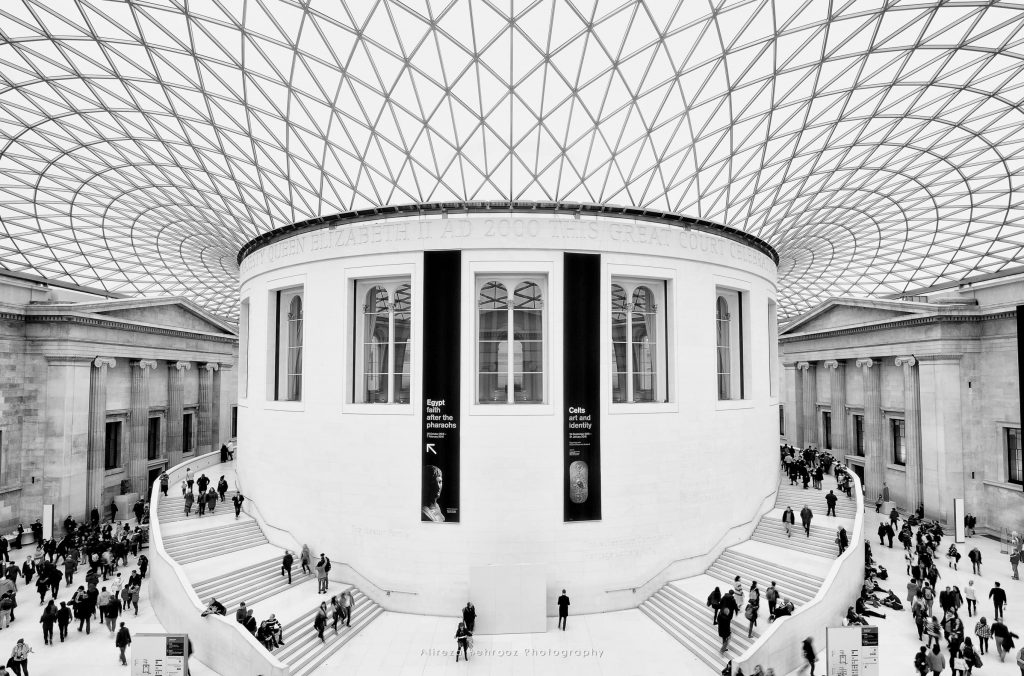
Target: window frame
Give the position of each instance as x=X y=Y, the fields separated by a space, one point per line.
x=512 y=280
x=663 y=363
x=159 y=437
x=826 y=430
x=188 y=441
x=782 y=420
x=740 y=386
x=119 y=464
x=1014 y=465
x=898 y=441
x=858 y=435
x=244 y=318
x=360 y=287
x=279 y=294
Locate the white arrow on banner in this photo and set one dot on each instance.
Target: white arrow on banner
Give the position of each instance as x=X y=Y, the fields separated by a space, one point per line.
x=430 y=449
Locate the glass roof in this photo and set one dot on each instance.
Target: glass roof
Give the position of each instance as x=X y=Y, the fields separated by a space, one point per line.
x=876 y=144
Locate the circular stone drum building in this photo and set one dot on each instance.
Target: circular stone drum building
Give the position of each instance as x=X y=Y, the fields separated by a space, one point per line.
x=429 y=390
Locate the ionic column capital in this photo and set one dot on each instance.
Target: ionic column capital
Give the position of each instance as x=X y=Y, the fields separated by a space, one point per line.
x=833 y=363
x=144 y=364
x=803 y=365
x=905 y=361
x=100 y=362
x=181 y=365
x=211 y=366
x=867 y=362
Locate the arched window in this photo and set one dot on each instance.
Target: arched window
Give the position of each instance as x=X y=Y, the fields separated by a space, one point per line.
x=285 y=373
x=638 y=338
x=722 y=319
x=510 y=341
x=382 y=341
x=295 y=349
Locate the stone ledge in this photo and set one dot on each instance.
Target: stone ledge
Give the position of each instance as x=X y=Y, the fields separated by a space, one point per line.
x=1005 y=485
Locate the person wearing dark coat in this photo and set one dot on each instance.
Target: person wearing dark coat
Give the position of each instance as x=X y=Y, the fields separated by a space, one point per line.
x=63 y=620
x=843 y=540
x=805 y=518
x=715 y=602
x=563 y=610
x=725 y=624
x=808 y=652
x=48 y=619
x=788 y=521
x=286 y=565
x=831 y=501
x=469 y=615
x=122 y=641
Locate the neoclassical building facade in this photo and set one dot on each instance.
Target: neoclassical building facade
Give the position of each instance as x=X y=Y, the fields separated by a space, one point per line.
x=99 y=394
x=920 y=396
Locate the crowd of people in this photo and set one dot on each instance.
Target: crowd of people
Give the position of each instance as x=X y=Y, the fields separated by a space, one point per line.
x=103 y=550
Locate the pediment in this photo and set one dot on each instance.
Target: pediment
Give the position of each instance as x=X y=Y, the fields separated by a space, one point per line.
x=171 y=313
x=837 y=314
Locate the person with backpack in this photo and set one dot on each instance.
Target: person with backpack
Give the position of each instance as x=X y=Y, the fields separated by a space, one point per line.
x=714 y=602
x=753 y=605
x=975 y=556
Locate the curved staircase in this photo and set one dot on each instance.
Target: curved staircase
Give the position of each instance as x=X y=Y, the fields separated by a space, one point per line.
x=252 y=573
x=680 y=607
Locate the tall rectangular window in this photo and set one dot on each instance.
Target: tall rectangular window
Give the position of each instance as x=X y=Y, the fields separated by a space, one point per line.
x=510 y=339
x=234 y=422
x=1014 y=456
x=898 y=429
x=729 y=343
x=288 y=339
x=153 y=439
x=112 y=445
x=826 y=428
x=858 y=434
x=187 y=440
x=782 y=421
x=639 y=341
x=383 y=351
x=243 y=350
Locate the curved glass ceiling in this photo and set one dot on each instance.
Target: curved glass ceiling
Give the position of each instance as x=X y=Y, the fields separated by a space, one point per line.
x=877 y=144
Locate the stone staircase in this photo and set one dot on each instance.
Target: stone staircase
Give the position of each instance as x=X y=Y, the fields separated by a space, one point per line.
x=202 y=544
x=687 y=618
x=304 y=653
x=251 y=584
x=172 y=507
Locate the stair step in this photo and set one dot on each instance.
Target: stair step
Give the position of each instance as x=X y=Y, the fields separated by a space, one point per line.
x=790 y=587
x=714 y=662
x=248 y=524
x=813 y=550
x=313 y=659
x=700 y=629
x=241 y=572
x=784 y=570
x=200 y=544
x=701 y=612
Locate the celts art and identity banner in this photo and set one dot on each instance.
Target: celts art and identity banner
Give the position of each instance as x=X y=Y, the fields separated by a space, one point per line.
x=582 y=417
x=439 y=446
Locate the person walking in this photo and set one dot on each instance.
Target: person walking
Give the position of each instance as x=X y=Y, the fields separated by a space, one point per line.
x=983 y=631
x=320 y=621
x=304 y=559
x=725 y=613
x=830 y=501
x=935 y=660
x=1014 y=562
x=190 y=478
x=122 y=641
x=286 y=565
x=971 y=597
x=563 y=610
x=975 y=557
x=348 y=605
x=165 y=481
x=63 y=620
x=715 y=602
x=463 y=636
x=201 y=502
x=237 y=501
x=469 y=615
x=190 y=500
x=753 y=605
x=19 y=657
x=222 y=487
x=805 y=518
x=788 y=520
x=771 y=594
x=998 y=596
x=808 y=652
x=842 y=539
x=211 y=500
x=48 y=619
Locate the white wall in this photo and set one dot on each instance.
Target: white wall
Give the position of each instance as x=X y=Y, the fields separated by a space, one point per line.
x=346 y=478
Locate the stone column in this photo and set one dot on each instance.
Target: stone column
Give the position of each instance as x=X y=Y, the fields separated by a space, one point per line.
x=138 y=458
x=912 y=418
x=810 y=402
x=874 y=467
x=205 y=406
x=56 y=475
x=96 y=461
x=215 y=378
x=837 y=386
x=175 y=409
x=943 y=474
x=796 y=411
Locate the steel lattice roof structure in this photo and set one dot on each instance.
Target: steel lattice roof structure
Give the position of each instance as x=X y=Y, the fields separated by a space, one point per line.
x=878 y=145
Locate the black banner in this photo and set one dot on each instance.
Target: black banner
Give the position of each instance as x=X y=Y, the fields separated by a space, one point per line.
x=441 y=310
x=582 y=383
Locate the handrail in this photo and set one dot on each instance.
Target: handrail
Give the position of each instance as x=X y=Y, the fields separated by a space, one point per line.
x=852 y=558
x=758 y=515
x=266 y=522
